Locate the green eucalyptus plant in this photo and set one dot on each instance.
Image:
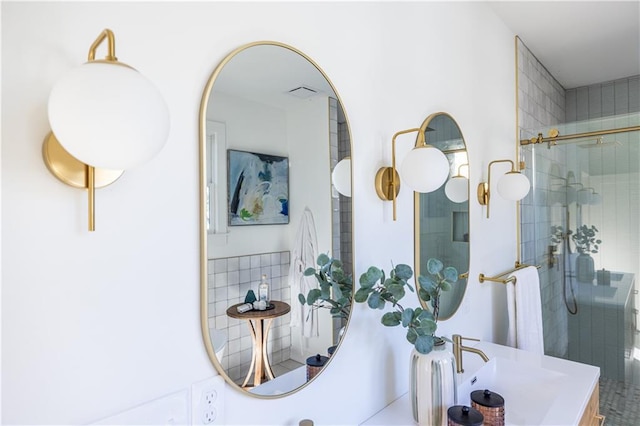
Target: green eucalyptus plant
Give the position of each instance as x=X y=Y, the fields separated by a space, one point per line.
x=585 y=239
x=377 y=289
x=557 y=234
x=335 y=288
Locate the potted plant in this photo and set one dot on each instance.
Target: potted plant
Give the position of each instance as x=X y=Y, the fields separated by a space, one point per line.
x=557 y=234
x=432 y=376
x=335 y=288
x=586 y=243
x=585 y=239
x=376 y=289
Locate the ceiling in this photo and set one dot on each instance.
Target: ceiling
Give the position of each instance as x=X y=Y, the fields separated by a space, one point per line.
x=270 y=74
x=579 y=42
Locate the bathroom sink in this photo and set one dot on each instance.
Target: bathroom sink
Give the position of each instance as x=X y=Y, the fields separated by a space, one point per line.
x=537 y=389
x=528 y=390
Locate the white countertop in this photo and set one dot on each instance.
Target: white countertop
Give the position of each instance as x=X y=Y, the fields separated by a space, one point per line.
x=566 y=408
x=614 y=295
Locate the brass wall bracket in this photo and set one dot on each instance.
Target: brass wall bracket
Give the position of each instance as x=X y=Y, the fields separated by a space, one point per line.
x=74 y=172
x=387 y=183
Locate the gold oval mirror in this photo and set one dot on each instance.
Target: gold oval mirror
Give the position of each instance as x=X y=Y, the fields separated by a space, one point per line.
x=272 y=129
x=441 y=217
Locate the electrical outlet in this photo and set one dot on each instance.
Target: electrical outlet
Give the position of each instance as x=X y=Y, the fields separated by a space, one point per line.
x=207 y=402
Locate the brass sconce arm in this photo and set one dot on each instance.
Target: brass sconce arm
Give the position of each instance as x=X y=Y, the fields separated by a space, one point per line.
x=387 y=179
x=111 y=46
x=424 y=169
x=514 y=192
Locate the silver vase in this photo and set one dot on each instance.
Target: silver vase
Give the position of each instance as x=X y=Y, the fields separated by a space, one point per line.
x=432 y=385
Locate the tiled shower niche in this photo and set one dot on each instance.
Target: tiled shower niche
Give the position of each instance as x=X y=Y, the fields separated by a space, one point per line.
x=229 y=280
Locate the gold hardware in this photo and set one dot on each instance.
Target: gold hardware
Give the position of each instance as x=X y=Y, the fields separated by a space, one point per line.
x=553 y=133
x=111 y=46
x=463 y=276
x=601 y=418
x=482 y=277
x=552 y=257
x=75 y=173
x=540 y=139
x=387 y=183
x=458 y=348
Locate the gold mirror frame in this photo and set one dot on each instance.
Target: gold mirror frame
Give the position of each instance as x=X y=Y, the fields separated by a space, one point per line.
x=417 y=218
x=203 y=215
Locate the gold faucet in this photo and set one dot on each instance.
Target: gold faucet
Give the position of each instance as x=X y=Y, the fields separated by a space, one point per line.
x=458 y=347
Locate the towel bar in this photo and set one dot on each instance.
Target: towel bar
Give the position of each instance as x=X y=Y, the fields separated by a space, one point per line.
x=482 y=278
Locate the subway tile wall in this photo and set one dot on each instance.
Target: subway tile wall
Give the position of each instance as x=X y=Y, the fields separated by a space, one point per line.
x=541 y=103
x=229 y=281
x=604 y=99
x=541 y=98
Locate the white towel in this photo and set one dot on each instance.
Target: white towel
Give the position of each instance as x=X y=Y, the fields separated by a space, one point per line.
x=525 y=311
x=303 y=256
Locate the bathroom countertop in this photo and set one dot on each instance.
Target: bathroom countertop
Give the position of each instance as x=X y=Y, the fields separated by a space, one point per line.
x=615 y=295
x=565 y=409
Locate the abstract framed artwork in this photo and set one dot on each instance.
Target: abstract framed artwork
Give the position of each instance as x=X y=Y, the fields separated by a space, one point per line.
x=258 y=188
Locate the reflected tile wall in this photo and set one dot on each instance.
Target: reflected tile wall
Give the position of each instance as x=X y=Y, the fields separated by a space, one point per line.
x=229 y=281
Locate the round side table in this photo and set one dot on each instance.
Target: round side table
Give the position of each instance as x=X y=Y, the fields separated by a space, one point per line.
x=259 y=323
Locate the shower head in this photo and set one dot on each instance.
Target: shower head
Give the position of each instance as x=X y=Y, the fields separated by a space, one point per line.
x=601 y=144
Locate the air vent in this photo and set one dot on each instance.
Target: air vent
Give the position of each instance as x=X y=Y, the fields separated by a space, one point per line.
x=303 y=92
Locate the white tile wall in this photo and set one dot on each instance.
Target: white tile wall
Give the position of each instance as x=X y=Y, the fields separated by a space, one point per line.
x=229 y=281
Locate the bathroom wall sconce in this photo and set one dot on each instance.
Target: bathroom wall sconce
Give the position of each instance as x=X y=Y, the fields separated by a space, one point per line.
x=512 y=185
x=424 y=169
x=341 y=177
x=588 y=196
x=457 y=188
x=105 y=117
x=595 y=198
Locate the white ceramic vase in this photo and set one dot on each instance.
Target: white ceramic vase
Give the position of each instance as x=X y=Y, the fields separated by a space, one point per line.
x=585 y=269
x=432 y=385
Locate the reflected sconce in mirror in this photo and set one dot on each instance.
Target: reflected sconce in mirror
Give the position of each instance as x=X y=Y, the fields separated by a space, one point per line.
x=105 y=117
x=583 y=196
x=513 y=185
x=424 y=169
x=457 y=188
x=589 y=196
x=596 y=198
x=341 y=177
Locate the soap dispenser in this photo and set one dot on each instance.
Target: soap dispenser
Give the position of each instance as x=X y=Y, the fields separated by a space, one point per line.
x=263 y=290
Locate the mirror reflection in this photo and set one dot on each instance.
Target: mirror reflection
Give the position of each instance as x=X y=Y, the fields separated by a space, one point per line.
x=272 y=131
x=442 y=217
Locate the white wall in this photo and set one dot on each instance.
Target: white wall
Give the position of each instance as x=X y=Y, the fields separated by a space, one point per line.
x=96 y=323
x=267 y=134
x=310 y=186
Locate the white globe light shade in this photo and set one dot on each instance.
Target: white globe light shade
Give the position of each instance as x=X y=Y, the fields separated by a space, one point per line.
x=584 y=196
x=424 y=169
x=108 y=116
x=513 y=186
x=457 y=189
x=596 y=199
x=341 y=177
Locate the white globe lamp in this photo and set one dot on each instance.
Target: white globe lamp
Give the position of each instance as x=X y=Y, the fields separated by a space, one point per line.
x=424 y=169
x=341 y=177
x=513 y=186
